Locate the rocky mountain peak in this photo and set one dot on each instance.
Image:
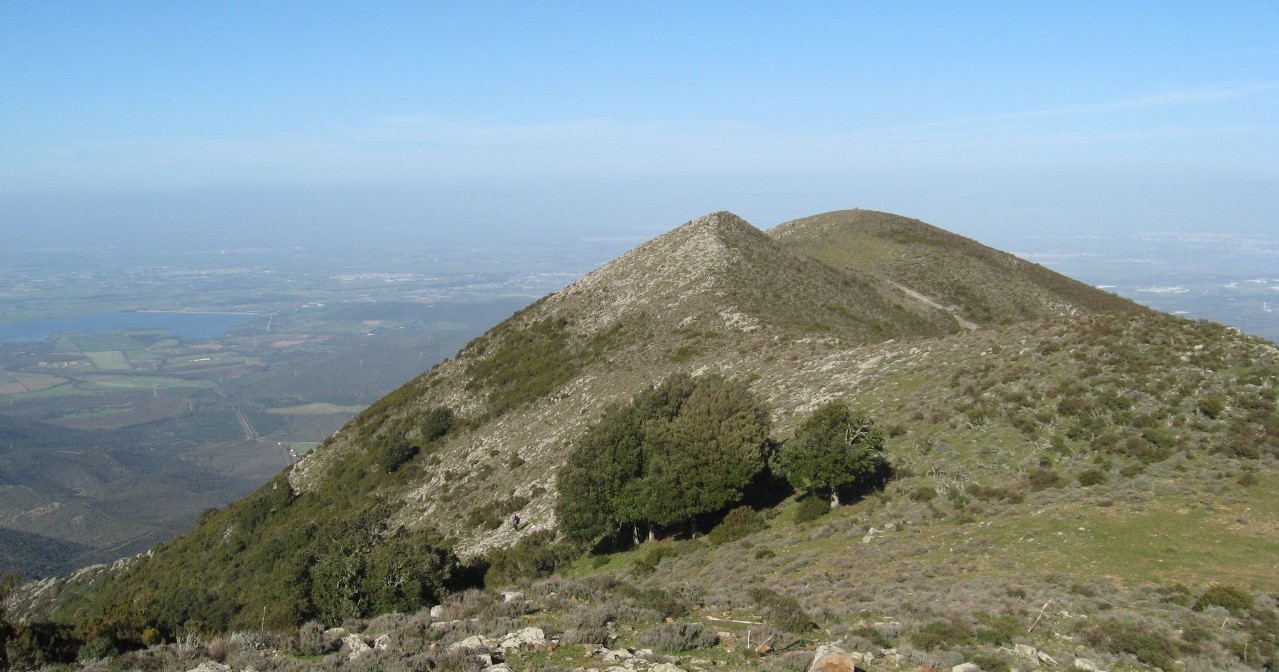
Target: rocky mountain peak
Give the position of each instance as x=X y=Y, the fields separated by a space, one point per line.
x=670 y=272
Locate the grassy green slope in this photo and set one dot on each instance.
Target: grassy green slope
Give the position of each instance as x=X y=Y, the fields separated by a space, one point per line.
x=984 y=285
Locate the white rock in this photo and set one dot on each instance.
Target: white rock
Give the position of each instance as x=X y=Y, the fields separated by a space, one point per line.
x=383 y=642
x=356 y=644
x=500 y=667
x=966 y=667
x=472 y=643
x=437 y=611
x=1085 y=664
x=512 y=596
x=524 y=637
x=664 y=667
x=210 y=666
x=831 y=658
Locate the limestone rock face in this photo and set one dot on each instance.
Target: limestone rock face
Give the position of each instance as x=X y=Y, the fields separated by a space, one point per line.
x=356 y=645
x=524 y=637
x=830 y=658
x=472 y=643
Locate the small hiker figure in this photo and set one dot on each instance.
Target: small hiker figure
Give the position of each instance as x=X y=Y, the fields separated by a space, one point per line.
x=515 y=521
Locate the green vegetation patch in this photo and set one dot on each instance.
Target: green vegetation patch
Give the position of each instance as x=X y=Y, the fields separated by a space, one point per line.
x=106 y=383
x=109 y=360
x=687 y=447
x=526 y=363
x=1166 y=541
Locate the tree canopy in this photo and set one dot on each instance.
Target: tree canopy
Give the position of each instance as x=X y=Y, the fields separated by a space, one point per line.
x=686 y=447
x=832 y=449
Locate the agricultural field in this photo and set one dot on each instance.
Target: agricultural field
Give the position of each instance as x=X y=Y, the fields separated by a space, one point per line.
x=133 y=397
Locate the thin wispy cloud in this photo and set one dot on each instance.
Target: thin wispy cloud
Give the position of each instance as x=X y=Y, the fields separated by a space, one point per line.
x=1175 y=98
x=407 y=148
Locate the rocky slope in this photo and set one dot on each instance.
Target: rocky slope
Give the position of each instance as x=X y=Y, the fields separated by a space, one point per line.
x=1049 y=438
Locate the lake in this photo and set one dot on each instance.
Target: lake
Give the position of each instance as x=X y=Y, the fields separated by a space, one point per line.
x=191 y=326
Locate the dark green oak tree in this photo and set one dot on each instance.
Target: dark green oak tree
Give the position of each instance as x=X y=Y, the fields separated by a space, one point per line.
x=832 y=449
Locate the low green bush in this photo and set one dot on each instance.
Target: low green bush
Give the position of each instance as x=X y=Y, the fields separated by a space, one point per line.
x=1043 y=478
x=782 y=611
x=923 y=493
x=1091 y=476
x=1235 y=600
x=676 y=637
x=535 y=556
x=1146 y=646
x=940 y=634
x=739 y=523
x=811 y=507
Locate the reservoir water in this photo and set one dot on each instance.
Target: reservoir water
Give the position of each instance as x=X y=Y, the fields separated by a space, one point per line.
x=191 y=326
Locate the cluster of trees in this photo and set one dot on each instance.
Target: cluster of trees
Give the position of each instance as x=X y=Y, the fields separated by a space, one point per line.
x=680 y=452
x=689 y=447
x=365 y=568
x=679 y=449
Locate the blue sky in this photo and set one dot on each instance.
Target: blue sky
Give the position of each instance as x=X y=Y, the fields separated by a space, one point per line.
x=610 y=118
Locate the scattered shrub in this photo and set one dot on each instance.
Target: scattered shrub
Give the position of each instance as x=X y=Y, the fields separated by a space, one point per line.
x=647 y=562
x=874 y=636
x=811 y=507
x=588 y=636
x=1043 y=478
x=311 y=639
x=1211 y=407
x=1123 y=637
x=394 y=453
x=1092 y=476
x=739 y=523
x=1176 y=594
x=437 y=422
x=782 y=611
x=940 y=634
x=535 y=556
x=923 y=493
x=997 y=629
x=652 y=598
x=989 y=661
x=676 y=637
x=1235 y=600
x=987 y=492
x=96 y=649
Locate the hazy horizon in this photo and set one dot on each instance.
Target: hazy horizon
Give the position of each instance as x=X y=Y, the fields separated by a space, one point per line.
x=202 y=122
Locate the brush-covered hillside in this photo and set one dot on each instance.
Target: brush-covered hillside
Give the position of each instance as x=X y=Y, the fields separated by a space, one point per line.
x=1066 y=480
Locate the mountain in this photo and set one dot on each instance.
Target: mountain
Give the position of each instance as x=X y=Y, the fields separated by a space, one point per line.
x=1073 y=474
x=981 y=285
